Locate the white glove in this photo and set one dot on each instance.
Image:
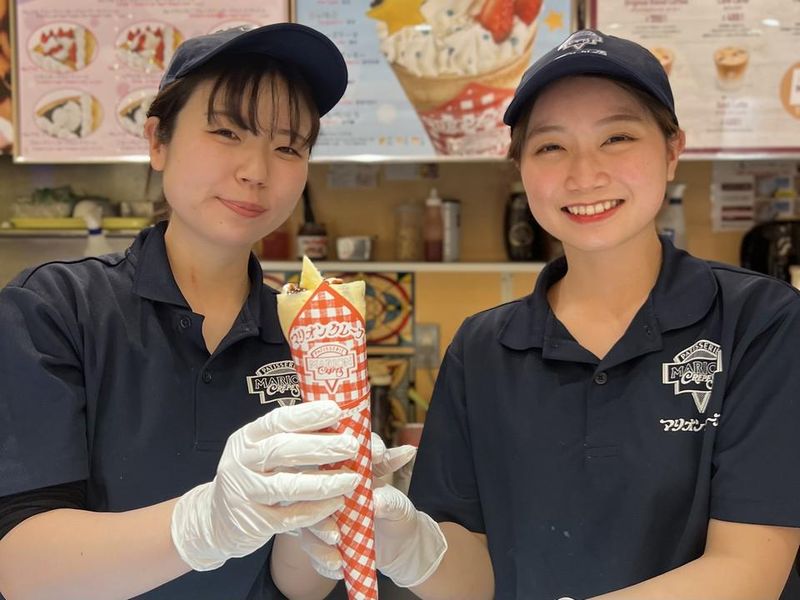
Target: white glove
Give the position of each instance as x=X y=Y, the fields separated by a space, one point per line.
x=260 y=489
x=409 y=545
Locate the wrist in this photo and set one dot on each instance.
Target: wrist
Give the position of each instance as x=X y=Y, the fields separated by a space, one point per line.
x=420 y=559
x=191 y=530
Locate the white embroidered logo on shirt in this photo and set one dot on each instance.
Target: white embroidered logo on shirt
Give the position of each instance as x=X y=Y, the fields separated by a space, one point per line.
x=275 y=382
x=692 y=371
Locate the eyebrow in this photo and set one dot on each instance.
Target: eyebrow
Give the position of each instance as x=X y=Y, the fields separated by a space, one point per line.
x=232 y=118
x=624 y=117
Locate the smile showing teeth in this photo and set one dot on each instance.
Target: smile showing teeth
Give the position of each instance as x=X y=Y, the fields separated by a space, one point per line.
x=592 y=209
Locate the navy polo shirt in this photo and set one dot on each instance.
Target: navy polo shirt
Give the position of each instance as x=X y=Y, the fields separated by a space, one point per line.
x=591 y=475
x=106 y=378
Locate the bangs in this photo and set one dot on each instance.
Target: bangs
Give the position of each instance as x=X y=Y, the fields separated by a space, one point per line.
x=237 y=93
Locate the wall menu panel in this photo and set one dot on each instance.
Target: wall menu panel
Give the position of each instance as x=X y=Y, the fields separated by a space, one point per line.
x=88 y=69
x=429 y=79
x=734 y=66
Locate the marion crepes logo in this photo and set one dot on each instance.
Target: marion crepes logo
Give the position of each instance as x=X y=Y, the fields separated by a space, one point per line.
x=578 y=41
x=275 y=382
x=692 y=372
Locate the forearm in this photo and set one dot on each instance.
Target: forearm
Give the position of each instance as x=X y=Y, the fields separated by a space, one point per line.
x=741 y=562
x=292 y=571
x=465 y=572
x=84 y=555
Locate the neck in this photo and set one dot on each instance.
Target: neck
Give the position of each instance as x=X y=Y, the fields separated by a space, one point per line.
x=612 y=282
x=208 y=276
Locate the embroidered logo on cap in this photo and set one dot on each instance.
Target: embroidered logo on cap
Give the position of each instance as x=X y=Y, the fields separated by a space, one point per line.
x=275 y=382
x=692 y=372
x=579 y=40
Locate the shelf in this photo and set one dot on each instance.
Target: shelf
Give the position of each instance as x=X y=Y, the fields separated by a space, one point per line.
x=415 y=267
x=63 y=233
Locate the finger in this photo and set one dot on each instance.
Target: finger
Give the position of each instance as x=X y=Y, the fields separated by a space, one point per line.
x=273 y=488
x=391 y=504
x=299 y=449
x=300 y=515
x=330 y=574
x=393 y=459
x=326 y=531
x=306 y=416
x=378 y=447
x=327 y=557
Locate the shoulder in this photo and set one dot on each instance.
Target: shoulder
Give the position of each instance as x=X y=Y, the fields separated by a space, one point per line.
x=485 y=327
x=759 y=296
x=60 y=278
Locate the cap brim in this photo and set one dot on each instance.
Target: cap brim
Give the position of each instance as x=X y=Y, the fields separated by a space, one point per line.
x=316 y=57
x=572 y=65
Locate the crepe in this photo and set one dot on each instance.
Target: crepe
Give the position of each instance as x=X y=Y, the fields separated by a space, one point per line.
x=323 y=320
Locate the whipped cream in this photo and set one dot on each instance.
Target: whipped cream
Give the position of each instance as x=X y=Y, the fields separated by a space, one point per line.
x=452 y=42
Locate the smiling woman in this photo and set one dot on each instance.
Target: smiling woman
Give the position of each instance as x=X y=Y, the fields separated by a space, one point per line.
x=562 y=456
x=138 y=453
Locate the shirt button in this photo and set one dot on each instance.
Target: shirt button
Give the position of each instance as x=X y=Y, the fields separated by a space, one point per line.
x=601 y=378
x=207 y=377
x=185 y=322
x=648 y=331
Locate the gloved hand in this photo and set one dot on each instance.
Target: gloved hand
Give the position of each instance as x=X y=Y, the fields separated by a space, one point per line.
x=267 y=482
x=409 y=545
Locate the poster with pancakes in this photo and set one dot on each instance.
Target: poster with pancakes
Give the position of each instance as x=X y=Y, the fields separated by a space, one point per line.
x=87 y=71
x=734 y=67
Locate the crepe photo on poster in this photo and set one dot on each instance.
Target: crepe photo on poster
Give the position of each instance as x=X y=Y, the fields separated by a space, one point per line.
x=62 y=47
x=459 y=62
x=6 y=128
x=148 y=46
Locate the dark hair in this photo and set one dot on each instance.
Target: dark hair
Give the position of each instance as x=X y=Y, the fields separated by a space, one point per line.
x=238 y=83
x=662 y=115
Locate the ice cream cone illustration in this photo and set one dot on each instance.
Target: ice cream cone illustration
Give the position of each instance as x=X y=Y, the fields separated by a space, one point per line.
x=324 y=323
x=459 y=62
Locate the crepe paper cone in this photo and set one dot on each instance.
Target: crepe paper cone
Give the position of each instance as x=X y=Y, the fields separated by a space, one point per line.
x=327 y=338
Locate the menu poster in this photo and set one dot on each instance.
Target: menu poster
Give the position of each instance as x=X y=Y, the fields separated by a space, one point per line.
x=6 y=129
x=430 y=79
x=88 y=69
x=734 y=66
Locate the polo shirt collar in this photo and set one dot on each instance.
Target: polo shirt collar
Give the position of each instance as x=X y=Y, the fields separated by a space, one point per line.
x=684 y=292
x=153 y=279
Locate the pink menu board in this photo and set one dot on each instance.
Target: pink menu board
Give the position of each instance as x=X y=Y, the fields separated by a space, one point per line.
x=87 y=70
x=6 y=129
x=734 y=66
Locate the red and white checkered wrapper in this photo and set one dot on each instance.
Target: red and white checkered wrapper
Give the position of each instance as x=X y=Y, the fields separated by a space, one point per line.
x=329 y=346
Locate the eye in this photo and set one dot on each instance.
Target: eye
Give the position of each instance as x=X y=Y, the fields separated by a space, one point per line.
x=289 y=151
x=225 y=133
x=621 y=137
x=548 y=149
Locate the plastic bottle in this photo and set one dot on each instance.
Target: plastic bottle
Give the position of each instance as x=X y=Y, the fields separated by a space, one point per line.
x=671 y=222
x=312 y=237
x=433 y=227
x=524 y=237
x=96 y=242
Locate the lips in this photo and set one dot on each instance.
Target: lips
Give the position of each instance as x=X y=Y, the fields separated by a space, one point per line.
x=244 y=209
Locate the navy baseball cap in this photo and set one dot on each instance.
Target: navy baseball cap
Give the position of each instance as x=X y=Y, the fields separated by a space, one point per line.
x=590 y=52
x=314 y=55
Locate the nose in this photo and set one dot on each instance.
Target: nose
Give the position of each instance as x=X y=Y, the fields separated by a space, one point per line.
x=254 y=169
x=586 y=173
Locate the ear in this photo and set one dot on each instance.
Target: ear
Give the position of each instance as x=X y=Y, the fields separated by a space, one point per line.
x=675 y=147
x=157 y=150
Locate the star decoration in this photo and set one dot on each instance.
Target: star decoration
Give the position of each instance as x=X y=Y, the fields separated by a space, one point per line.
x=398 y=14
x=554 y=20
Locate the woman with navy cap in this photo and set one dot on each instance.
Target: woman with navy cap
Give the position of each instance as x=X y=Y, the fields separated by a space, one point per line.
x=629 y=431
x=124 y=375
